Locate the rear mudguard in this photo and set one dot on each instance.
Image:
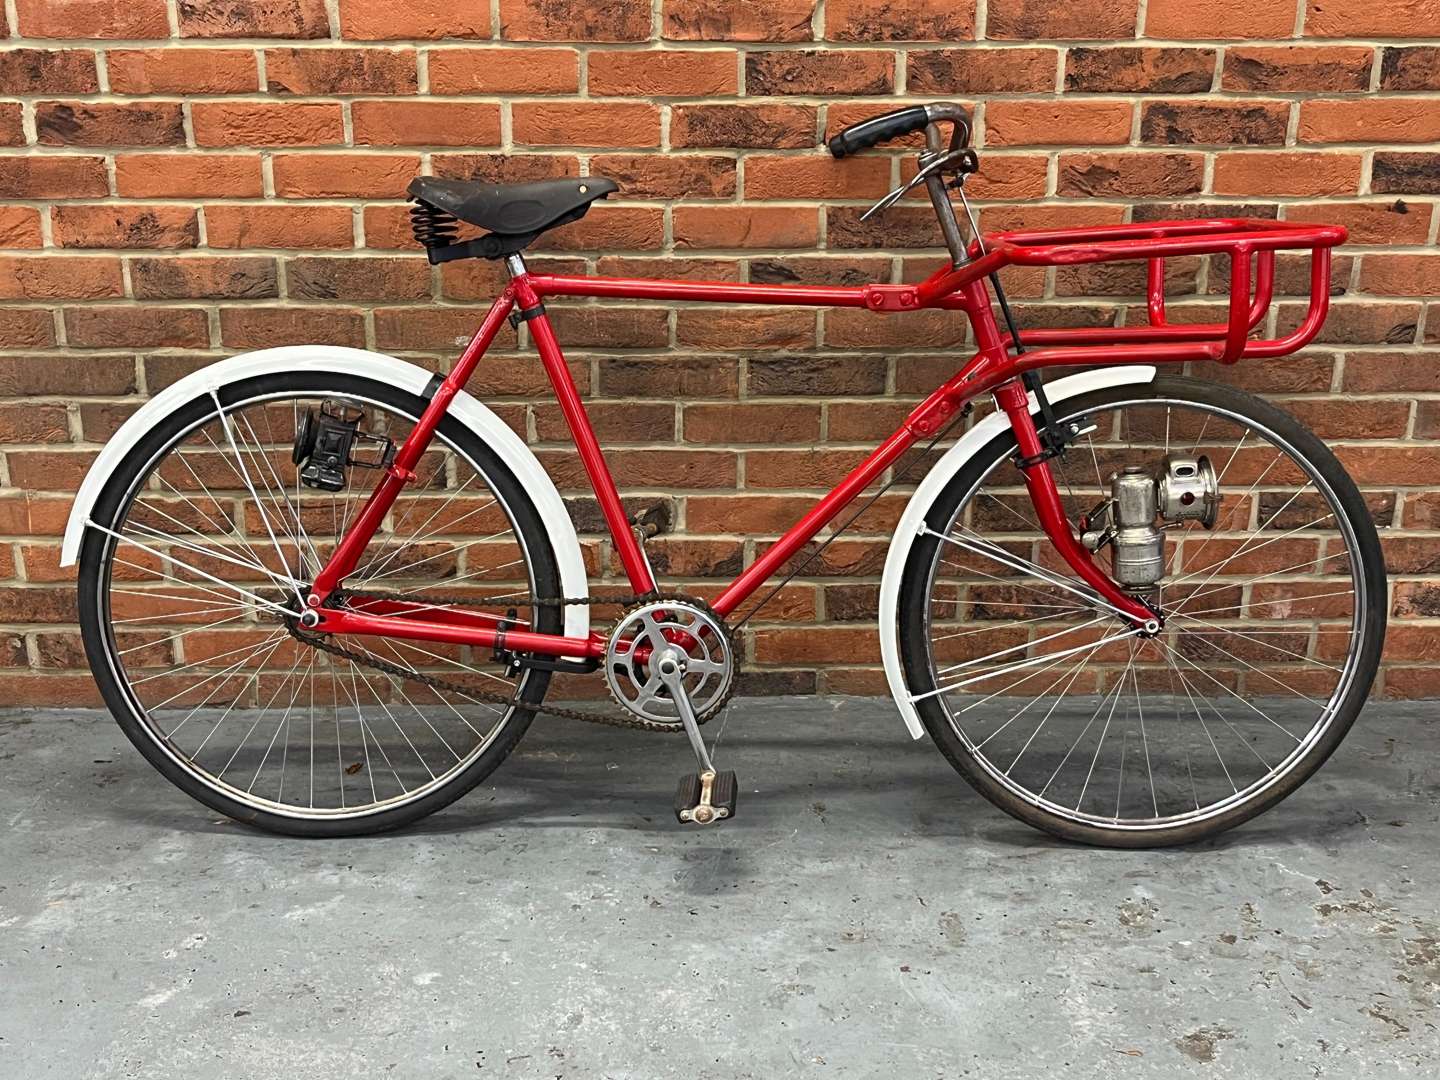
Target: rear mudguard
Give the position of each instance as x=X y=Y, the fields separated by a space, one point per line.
x=385 y=369
x=916 y=510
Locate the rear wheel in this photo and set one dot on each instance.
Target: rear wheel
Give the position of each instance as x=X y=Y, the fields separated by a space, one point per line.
x=203 y=542
x=1061 y=713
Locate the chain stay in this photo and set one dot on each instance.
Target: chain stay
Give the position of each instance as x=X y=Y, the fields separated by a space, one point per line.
x=635 y=723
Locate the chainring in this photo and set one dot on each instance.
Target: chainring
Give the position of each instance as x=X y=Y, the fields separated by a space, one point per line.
x=645 y=630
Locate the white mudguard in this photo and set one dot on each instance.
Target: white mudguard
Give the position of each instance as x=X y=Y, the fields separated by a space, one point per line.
x=386 y=369
x=944 y=471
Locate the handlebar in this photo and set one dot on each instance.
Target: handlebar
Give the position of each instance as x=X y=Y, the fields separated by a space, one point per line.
x=892 y=125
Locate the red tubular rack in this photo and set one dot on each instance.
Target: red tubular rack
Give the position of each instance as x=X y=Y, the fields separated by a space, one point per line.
x=1250 y=244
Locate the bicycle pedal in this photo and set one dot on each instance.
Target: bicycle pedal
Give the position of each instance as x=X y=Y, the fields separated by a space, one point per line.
x=705 y=798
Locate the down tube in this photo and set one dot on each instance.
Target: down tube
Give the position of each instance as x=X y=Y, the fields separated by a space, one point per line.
x=819 y=516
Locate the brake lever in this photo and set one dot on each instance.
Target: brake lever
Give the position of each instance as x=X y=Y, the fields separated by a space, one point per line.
x=968 y=161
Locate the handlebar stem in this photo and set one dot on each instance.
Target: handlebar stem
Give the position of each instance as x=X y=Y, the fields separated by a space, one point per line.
x=939 y=199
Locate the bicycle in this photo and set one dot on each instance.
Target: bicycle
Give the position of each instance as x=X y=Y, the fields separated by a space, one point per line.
x=324 y=591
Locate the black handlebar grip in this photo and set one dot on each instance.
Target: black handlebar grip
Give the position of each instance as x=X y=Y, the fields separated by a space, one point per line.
x=878 y=129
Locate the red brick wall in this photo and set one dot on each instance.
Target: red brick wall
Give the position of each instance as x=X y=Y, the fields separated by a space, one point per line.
x=182 y=179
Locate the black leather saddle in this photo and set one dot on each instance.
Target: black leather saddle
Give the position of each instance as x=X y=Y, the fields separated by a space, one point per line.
x=512 y=215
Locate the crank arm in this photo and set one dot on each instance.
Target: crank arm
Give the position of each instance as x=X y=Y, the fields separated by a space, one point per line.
x=670 y=667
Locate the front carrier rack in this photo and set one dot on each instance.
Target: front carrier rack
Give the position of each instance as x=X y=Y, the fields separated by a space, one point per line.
x=1250 y=245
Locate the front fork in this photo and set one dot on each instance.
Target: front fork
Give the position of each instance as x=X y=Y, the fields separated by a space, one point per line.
x=1040 y=483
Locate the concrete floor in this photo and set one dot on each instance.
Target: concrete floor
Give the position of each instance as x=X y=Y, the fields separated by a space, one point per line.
x=865 y=915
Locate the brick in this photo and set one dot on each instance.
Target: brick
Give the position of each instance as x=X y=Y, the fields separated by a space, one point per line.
x=1079 y=21
x=738 y=20
x=279 y=226
x=808 y=468
x=383 y=20
x=50 y=278
x=668 y=176
x=425 y=123
x=319 y=176
x=1218 y=20
x=1055 y=123
x=47 y=71
x=1358 y=322
x=1286 y=173
x=12 y=126
x=388 y=227
x=430 y=328
x=768 y=127
x=906 y=226
x=981 y=71
x=634 y=422
x=125 y=226
x=1372 y=120
x=1382 y=18
x=665 y=266
x=1291 y=68
x=851 y=328
x=729 y=424
x=611 y=327
x=26 y=328
x=19 y=227
x=203 y=277
x=1214 y=123
x=663 y=73
x=92 y=19
x=1391 y=222
x=585 y=124
x=502 y=168
x=149 y=176
x=898 y=20
x=1004 y=177
x=1128 y=69
x=182 y=71
x=75 y=123
x=832 y=71
x=721 y=328
x=320 y=278
x=1401 y=275
x=543 y=20
x=815 y=177
x=1414 y=68
x=33 y=424
x=1402 y=173
x=609 y=228
x=668 y=377
x=838 y=269
x=315 y=72
x=67 y=376
x=745 y=227
x=1142 y=175
x=264 y=327
x=54 y=177
x=253 y=18
x=509 y=71
x=266 y=123
x=147 y=327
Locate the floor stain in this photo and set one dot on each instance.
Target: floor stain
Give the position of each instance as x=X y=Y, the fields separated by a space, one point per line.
x=1203 y=1045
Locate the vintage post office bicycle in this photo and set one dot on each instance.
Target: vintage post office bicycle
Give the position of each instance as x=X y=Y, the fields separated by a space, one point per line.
x=324 y=591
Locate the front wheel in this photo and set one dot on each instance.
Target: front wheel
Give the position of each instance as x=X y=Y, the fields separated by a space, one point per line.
x=1068 y=717
x=195 y=565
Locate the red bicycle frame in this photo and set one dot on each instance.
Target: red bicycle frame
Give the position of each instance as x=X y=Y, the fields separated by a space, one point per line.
x=994 y=368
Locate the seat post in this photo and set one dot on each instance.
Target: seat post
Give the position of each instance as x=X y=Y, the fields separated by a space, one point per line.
x=515 y=265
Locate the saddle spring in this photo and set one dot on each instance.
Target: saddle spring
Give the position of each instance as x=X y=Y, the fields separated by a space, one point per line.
x=433 y=228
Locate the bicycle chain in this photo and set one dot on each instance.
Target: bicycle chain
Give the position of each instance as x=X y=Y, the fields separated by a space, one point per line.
x=436 y=682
